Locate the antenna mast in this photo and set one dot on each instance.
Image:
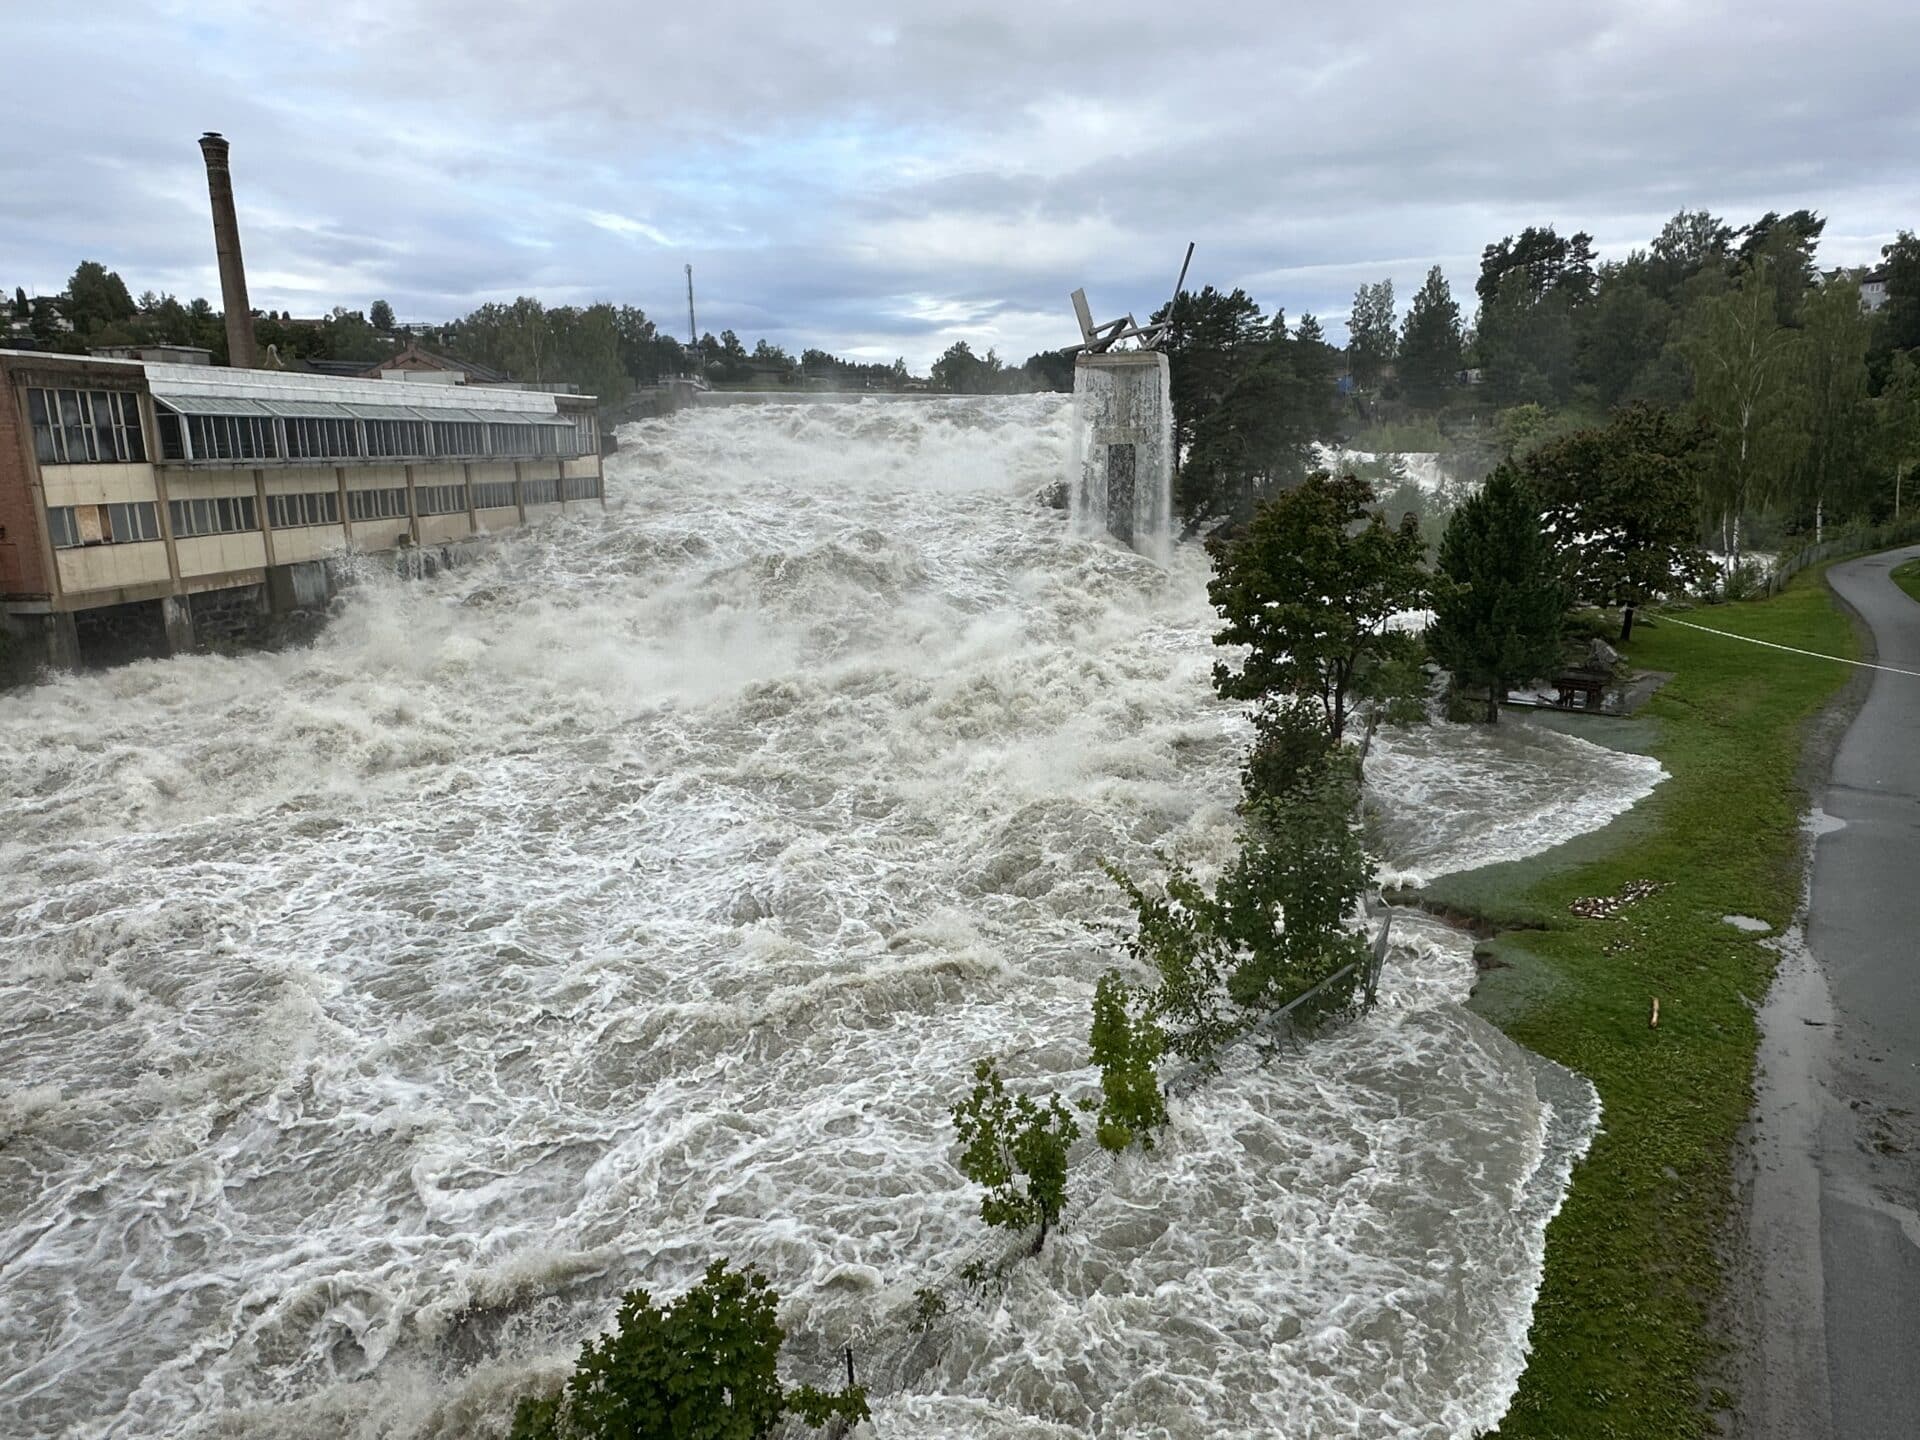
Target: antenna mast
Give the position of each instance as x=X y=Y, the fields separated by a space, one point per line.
x=693 y=330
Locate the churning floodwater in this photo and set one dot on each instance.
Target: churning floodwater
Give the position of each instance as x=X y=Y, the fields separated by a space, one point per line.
x=371 y=1014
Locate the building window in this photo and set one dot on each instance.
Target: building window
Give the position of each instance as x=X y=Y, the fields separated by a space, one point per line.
x=377 y=504
x=321 y=438
x=585 y=437
x=493 y=495
x=83 y=427
x=440 y=499
x=124 y=524
x=459 y=438
x=513 y=440
x=540 y=492
x=313 y=507
x=580 y=487
x=392 y=438
x=226 y=515
x=233 y=437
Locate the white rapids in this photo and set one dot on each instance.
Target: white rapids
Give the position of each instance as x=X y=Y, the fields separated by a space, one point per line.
x=372 y=1013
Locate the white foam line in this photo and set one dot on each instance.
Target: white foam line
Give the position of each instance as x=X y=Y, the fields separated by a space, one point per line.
x=1791 y=649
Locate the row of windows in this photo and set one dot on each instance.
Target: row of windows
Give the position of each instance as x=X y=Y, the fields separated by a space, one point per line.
x=313 y=507
x=74 y=525
x=83 y=427
x=227 y=515
x=258 y=437
x=377 y=504
x=233 y=437
x=74 y=427
x=439 y=499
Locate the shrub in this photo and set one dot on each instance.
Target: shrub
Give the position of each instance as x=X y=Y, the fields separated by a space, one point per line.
x=702 y=1368
x=1016 y=1149
x=1127 y=1048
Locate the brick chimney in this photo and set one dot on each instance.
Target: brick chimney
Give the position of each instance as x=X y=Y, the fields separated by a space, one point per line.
x=226 y=241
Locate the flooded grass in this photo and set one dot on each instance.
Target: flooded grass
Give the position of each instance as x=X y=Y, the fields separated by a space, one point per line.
x=1621 y=1336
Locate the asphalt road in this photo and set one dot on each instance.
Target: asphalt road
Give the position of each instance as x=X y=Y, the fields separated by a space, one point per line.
x=1834 y=1221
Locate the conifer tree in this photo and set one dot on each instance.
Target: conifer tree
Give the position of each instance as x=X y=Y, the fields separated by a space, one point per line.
x=1497 y=615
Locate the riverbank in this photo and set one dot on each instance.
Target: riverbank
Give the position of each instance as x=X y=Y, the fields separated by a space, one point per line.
x=1622 y=1334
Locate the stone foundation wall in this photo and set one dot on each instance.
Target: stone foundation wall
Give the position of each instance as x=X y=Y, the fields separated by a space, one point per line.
x=223 y=618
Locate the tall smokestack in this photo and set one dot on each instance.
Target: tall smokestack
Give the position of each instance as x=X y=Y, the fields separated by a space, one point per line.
x=226 y=241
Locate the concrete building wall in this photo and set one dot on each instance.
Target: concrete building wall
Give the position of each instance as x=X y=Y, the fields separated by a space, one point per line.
x=586 y=465
x=377 y=477
x=307 y=542
x=97 y=484
x=503 y=517
x=439 y=529
x=539 y=513
x=23 y=568
x=303 y=479
x=492 y=470
x=112 y=567
x=204 y=485
x=202 y=555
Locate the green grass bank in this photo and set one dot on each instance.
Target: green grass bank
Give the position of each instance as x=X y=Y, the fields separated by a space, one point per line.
x=1622 y=1338
x=1907 y=577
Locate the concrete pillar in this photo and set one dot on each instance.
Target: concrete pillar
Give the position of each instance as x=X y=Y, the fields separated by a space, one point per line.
x=1123 y=442
x=177 y=616
x=33 y=640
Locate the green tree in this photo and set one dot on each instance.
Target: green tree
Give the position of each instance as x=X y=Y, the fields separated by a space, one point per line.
x=1743 y=365
x=1897 y=425
x=1213 y=337
x=1691 y=242
x=1832 y=379
x=380 y=316
x=1623 y=334
x=1430 y=344
x=1498 y=610
x=96 y=297
x=1371 y=338
x=1015 y=1149
x=1127 y=1048
x=1620 y=505
x=1782 y=247
x=704 y=1367
x=21 y=309
x=1309 y=589
x=1899 y=318
x=1273 y=926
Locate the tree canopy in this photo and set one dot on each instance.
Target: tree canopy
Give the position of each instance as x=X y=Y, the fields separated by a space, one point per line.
x=1309 y=588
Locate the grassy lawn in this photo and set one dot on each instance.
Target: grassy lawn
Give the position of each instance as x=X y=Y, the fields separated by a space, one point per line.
x=1620 y=1338
x=1907 y=577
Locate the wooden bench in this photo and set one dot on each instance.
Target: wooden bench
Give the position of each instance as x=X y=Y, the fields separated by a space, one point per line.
x=1588 y=686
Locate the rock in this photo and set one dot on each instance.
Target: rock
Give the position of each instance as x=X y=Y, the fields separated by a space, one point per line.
x=1601 y=655
x=1053 y=497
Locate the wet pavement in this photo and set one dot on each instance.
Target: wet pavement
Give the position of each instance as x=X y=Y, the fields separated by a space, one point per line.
x=1833 y=1228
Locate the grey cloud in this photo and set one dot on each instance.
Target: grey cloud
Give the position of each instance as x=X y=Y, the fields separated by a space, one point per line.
x=838 y=173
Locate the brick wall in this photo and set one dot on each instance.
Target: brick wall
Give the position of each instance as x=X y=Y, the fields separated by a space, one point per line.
x=22 y=567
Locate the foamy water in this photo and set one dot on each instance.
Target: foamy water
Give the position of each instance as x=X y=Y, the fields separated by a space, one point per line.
x=372 y=1014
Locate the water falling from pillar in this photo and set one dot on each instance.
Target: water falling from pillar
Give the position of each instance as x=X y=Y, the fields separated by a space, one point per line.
x=1123 y=449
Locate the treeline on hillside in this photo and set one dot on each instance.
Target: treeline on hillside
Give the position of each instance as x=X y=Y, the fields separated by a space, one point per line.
x=1809 y=404
x=604 y=349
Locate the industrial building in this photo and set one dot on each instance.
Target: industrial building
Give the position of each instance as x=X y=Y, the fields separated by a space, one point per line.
x=146 y=508
x=151 y=502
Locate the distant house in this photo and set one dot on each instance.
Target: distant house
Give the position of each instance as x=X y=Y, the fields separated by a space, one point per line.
x=1873 y=290
x=415 y=363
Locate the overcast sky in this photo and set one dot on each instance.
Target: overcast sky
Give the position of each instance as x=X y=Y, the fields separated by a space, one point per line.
x=880 y=179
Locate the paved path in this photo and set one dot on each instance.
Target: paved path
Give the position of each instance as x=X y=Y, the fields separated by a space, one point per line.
x=1835 y=1223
